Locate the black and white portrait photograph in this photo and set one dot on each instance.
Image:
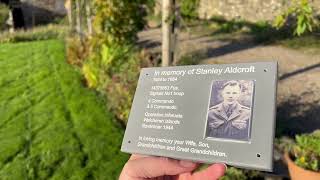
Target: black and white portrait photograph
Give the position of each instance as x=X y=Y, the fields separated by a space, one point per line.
x=229 y=114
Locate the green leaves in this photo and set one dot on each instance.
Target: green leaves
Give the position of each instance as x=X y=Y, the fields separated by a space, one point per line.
x=189 y=8
x=90 y=75
x=307 y=151
x=279 y=21
x=114 y=72
x=113 y=65
x=304 y=19
x=119 y=19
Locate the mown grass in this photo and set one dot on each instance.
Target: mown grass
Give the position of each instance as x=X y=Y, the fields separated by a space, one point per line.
x=51 y=127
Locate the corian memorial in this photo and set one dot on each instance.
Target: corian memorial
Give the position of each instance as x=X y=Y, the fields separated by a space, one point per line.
x=206 y=113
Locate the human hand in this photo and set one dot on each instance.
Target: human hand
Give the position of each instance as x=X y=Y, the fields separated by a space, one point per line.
x=141 y=167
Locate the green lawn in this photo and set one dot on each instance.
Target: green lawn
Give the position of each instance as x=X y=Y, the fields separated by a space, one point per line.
x=51 y=127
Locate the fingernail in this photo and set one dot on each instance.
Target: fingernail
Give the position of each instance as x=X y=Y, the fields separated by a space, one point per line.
x=187 y=164
x=226 y=167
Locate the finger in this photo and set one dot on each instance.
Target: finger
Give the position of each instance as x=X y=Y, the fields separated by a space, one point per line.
x=137 y=156
x=151 y=167
x=213 y=172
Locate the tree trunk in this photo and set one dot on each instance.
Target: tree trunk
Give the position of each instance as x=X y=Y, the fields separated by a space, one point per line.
x=89 y=17
x=10 y=22
x=177 y=23
x=78 y=19
x=69 y=5
x=167 y=32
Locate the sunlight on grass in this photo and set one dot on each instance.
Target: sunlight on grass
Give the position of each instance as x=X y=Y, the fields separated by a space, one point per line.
x=50 y=125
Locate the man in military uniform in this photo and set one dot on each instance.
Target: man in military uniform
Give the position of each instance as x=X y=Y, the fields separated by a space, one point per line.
x=229 y=119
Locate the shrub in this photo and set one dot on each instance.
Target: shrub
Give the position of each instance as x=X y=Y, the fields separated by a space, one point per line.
x=120 y=90
x=299 y=17
x=4 y=15
x=189 y=8
x=114 y=73
x=90 y=72
x=306 y=151
x=77 y=50
x=35 y=34
x=234 y=174
x=113 y=64
x=120 y=20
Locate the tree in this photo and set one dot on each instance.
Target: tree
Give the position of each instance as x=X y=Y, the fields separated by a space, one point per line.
x=168 y=30
x=89 y=18
x=69 y=7
x=78 y=18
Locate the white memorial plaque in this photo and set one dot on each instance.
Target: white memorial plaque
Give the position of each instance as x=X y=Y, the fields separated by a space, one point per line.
x=206 y=113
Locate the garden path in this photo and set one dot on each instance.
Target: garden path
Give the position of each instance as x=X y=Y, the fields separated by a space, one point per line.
x=299 y=71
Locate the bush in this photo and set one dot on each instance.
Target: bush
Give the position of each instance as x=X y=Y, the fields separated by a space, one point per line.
x=299 y=18
x=35 y=34
x=120 y=90
x=114 y=72
x=4 y=15
x=113 y=64
x=189 y=8
x=120 y=20
x=109 y=60
x=306 y=151
x=234 y=174
x=77 y=50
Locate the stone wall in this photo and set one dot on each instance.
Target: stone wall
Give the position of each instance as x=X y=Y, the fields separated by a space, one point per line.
x=37 y=12
x=250 y=10
x=54 y=6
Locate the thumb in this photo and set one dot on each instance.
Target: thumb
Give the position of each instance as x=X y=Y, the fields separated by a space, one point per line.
x=151 y=167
